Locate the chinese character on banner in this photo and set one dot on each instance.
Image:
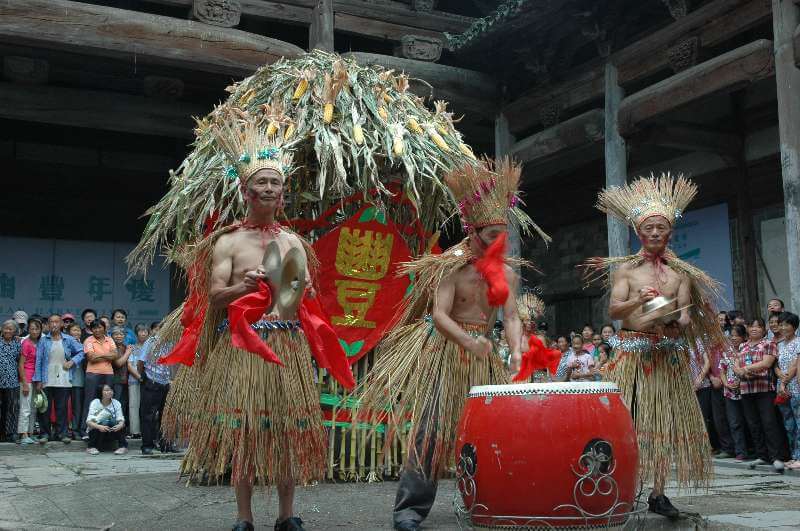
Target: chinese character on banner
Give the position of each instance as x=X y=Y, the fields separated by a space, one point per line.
x=139 y=290
x=99 y=287
x=358 y=286
x=8 y=286
x=51 y=288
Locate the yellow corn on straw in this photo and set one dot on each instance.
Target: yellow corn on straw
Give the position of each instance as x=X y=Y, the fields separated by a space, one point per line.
x=413 y=125
x=272 y=128
x=327 y=114
x=247 y=96
x=399 y=145
x=442 y=130
x=358 y=134
x=302 y=86
x=289 y=132
x=382 y=112
x=387 y=98
x=438 y=140
x=466 y=150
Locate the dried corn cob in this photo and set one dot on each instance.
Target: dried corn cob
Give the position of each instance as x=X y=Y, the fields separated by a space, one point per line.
x=302 y=86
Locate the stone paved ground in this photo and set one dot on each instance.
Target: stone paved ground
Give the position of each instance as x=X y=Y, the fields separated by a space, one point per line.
x=58 y=487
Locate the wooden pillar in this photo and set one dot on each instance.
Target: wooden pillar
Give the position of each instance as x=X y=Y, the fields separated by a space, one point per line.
x=744 y=218
x=320 y=35
x=616 y=160
x=787 y=78
x=503 y=141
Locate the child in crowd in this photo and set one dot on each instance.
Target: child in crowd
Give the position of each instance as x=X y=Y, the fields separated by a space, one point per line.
x=580 y=362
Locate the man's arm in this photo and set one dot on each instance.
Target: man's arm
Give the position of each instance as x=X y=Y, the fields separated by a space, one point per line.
x=220 y=294
x=442 y=306
x=620 y=305
x=511 y=322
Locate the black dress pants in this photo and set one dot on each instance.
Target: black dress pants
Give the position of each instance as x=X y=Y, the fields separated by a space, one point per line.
x=154 y=396
x=57 y=398
x=759 y=413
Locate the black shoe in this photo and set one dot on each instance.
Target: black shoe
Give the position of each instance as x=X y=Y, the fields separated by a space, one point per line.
x=407 y=525
x=241 y=525
x=290 y=524
x=661 y=505
x=149 y=451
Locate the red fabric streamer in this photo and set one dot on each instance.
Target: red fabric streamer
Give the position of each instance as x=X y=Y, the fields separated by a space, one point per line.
x=491 y=266
x=538 y=357
x=192 y=318
x=324 y=342
x=245 y=311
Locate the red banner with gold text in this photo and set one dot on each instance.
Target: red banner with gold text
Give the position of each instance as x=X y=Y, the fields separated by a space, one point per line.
x=357 y=281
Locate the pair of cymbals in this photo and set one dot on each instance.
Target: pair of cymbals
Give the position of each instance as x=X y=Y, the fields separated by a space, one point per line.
x=286 y=277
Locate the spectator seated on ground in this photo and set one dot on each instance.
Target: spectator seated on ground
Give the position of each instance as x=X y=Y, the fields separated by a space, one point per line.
x=106 y=422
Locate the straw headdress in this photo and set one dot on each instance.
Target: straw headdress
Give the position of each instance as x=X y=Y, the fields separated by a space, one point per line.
x=666 y=196
x=529 y=306
x=486 y=194
x=249 y=147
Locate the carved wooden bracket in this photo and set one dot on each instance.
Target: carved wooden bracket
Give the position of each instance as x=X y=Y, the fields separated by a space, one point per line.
x=225 y=13
x=683 y=54
x=677 y=8
x=420 y=48
x=550 y=113
x=163 y=88
x=26 y=70
x=424 y=5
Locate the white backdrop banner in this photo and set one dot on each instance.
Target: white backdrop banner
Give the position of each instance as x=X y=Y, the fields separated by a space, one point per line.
x=59 y=276
x=703 y=237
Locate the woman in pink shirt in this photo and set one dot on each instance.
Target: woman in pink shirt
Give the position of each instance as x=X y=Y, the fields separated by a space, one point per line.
x=26 y=392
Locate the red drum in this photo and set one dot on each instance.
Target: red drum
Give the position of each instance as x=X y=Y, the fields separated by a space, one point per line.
x=547 y=455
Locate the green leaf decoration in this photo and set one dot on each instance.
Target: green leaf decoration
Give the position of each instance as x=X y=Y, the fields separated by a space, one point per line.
x=351 y=349
x=410 y=287
x=367 y=216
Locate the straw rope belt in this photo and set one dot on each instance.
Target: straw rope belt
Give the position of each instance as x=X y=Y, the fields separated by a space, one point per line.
x=265 y=325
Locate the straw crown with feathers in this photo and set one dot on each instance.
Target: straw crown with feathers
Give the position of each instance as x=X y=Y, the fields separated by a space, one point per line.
x=664 y=196
x=486 y=194
x=529 y=306
x=250 y=147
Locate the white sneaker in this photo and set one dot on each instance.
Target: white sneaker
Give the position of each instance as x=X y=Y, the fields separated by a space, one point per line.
x=121 y=451
x=778 y=465
x=92 y=451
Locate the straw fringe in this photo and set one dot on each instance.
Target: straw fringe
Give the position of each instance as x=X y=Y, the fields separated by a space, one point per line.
x=262 y=420
x=669 y=424
x=423 y=378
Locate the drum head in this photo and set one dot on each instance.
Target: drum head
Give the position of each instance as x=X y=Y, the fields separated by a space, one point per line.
x=553 y=388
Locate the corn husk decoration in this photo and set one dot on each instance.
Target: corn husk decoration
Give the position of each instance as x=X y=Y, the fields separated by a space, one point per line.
x=341 y=119
x=530 y=307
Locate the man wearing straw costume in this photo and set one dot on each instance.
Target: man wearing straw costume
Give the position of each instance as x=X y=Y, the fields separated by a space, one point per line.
x=665 y=306
x=249 y=404
x=427 y=365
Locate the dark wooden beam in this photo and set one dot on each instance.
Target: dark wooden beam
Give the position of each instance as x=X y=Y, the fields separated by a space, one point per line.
x=470 y=92
x=320 y=35
x=137 y=37
x=690 y=137
x=107 y=111
x=586 y=128
x=390 y=21
x=713 y=23
x=725 y=72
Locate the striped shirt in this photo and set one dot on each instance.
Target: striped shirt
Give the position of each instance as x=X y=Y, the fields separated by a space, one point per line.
x=758 y=381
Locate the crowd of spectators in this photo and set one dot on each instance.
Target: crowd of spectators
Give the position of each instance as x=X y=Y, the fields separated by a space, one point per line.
x=98 y=381
x=748 y=390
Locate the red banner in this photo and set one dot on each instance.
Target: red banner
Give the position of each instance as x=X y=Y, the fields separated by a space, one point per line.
x=358 y=288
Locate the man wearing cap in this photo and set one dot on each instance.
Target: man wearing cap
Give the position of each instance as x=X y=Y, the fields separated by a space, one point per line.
x=21 y=318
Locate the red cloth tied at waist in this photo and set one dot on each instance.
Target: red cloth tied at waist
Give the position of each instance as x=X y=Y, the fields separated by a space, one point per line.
x=322 y=340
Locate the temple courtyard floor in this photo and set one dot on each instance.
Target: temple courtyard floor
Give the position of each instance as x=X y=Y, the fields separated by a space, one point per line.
x=61 y=487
